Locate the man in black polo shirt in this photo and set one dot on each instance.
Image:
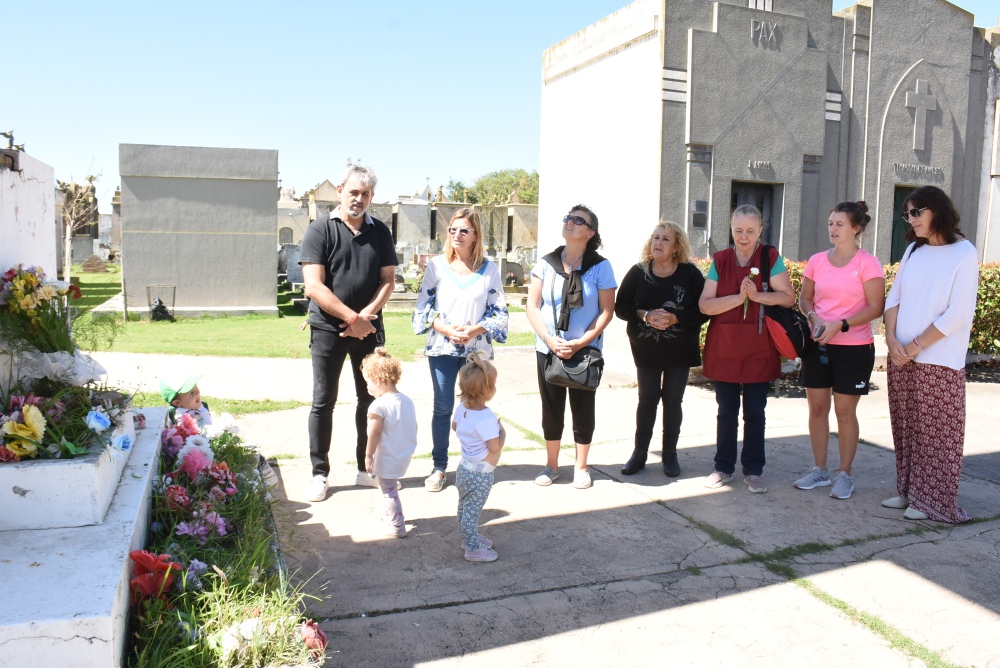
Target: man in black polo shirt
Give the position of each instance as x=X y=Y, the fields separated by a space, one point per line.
x=349 y=266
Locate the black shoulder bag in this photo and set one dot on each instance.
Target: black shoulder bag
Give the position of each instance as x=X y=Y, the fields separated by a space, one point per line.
x=582 y=371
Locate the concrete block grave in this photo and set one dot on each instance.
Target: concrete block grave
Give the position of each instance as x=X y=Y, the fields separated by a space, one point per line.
x=65 y=590
x=60 y=493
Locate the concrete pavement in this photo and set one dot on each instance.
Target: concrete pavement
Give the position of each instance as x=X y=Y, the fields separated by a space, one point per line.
x=639 y=569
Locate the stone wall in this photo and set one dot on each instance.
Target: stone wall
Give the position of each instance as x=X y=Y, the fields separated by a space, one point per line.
x=27 y=235
x=203 y=220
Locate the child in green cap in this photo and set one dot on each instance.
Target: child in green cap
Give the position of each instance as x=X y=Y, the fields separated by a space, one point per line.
x=184 y=397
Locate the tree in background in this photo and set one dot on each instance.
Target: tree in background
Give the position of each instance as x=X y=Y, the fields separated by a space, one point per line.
x=496 y=187
x=79 y=210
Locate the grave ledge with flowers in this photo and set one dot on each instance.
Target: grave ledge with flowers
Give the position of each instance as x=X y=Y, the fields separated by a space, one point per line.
x=65 y=591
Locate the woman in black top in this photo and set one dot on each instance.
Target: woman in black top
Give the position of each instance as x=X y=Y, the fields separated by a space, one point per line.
x=659 y=300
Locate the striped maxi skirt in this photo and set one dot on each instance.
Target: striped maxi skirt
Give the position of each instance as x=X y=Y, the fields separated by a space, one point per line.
x=927 y=412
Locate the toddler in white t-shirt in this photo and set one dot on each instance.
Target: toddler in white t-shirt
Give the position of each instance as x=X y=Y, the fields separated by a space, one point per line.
x=482 y=436
x=392 y=433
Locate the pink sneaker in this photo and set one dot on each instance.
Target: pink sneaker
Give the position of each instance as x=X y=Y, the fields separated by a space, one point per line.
x=482 y=554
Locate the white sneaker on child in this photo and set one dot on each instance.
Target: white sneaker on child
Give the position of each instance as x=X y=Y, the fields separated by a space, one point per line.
x=365 y=479
x=482 y=554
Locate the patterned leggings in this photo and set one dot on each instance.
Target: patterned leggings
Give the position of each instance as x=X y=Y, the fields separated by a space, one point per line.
x=473 y=490
x=927 y=412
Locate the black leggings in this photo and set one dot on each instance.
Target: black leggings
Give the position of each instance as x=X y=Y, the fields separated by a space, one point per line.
x=581 y=405
x=660 y=387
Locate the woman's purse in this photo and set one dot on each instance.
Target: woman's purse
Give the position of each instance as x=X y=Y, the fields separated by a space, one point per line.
x=582 y=371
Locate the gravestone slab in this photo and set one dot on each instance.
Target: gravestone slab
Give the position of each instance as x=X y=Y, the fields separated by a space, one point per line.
x=95 y=265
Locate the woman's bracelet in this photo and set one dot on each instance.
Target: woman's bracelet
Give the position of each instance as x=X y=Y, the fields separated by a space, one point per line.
x=919 y=345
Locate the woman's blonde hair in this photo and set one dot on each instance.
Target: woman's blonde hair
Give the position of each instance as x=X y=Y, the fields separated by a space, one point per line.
x=477 y=380
x=382 y=367
x=472 y=216
x=682 y=246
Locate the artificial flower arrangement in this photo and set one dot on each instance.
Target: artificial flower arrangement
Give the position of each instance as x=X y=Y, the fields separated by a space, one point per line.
x=34 y=312
x=209 y=588
x=60 y=422
x=52 y=406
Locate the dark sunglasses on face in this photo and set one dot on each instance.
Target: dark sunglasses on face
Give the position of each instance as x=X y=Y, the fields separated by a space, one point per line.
x=576 y=220
x=914 y=213
x=460 y=231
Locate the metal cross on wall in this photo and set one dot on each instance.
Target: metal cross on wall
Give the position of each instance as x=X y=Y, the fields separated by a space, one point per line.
x=922 y=101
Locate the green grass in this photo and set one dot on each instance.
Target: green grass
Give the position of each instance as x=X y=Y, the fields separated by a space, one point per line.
x=236 y=407
x=242 y=336
x=896 y=639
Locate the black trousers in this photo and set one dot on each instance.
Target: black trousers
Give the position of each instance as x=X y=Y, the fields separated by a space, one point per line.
x=660 y=387
x=329 y=351
x=582 y=404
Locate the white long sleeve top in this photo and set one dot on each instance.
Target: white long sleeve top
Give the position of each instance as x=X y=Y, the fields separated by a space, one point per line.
x=937 y=285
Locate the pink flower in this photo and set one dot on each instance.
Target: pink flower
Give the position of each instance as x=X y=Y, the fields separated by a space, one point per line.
x=177 y=497
x=188 y=426
x=196 y=529
x=217 y=496
x=7 y=456
x=313 y=638
x=221 y=474
x=221 y=525
x=194 y=462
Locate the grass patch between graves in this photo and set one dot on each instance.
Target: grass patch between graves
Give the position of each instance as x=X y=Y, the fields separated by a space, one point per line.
x=236 y=407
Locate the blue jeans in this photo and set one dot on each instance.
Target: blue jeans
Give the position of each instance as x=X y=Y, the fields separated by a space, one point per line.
x=444 y=373
x=754 y=401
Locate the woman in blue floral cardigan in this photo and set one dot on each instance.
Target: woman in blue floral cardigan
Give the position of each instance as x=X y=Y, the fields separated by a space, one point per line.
x=462 y=308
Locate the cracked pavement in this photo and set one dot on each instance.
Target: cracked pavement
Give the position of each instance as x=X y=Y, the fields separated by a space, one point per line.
x=642 y=567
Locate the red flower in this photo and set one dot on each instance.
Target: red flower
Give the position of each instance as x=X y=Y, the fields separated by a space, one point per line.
x=177 y=497
x=313 y=637
x=7 y=456
x=153 y=575
x=74 y=292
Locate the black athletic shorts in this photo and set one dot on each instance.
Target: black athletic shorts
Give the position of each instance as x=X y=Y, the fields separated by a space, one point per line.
x=847 y=369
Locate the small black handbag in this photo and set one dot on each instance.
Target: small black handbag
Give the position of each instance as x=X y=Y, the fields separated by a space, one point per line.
x=582 y=371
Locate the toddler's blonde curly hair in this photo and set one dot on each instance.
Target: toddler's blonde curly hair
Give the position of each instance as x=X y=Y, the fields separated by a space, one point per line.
x=382 y=367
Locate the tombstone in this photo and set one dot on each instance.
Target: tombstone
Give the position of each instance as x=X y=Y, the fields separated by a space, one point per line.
x=83 y=248
x=293 y=269
x=511 y=273
x=285 y=235
x=413 y=221
x=202 y=219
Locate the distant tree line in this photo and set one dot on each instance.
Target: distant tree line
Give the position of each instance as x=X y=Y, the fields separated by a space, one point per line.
x=496 y=187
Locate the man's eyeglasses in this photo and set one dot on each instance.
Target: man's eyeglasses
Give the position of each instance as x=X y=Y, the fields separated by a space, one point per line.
x=913 y=213
x=576 y=220
x=460 y=231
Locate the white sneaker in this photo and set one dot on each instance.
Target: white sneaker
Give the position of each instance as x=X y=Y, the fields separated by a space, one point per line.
x=317 y=489
x=365 y=479
x=897 y=502
x=581 y=479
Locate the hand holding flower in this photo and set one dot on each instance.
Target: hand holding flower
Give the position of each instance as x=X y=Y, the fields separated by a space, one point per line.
x=754 y=272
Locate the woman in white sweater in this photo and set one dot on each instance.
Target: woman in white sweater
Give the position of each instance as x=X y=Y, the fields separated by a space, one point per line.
x=462 y=309
x=928 y=321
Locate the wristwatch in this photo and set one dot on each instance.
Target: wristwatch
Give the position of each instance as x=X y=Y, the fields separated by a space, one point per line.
x=844 y=326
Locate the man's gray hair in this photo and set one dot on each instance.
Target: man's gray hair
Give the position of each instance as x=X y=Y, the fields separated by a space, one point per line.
x=364 y=174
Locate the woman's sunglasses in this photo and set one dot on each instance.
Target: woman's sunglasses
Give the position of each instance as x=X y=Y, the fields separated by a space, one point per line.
x=576 y=220
x=460 y=231
x=913 y=213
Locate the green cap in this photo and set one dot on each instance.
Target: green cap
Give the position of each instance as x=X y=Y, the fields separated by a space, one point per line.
x=171 y=387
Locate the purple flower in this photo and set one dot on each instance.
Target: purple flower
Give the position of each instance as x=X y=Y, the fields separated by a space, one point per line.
x=196 y=529
x=197 y=567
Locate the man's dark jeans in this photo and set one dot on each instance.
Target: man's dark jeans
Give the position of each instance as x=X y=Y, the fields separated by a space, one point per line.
x=329 y=350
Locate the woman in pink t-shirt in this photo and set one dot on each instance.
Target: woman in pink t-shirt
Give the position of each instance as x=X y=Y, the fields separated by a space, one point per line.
x=843 y=290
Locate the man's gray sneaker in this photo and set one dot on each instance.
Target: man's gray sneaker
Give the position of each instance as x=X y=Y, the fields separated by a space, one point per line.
x=817 y=477
x=843 y=486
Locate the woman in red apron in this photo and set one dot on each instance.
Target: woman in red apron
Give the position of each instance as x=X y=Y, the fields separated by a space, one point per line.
x=739 y=354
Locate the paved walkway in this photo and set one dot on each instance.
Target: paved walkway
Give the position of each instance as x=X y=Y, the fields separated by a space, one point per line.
x=639 y=569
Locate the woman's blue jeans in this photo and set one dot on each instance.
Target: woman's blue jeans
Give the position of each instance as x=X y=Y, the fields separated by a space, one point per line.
x=754 y=397
x=444 y=373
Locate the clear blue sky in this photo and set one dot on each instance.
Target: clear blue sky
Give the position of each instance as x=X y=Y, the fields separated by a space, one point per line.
x=439 y=89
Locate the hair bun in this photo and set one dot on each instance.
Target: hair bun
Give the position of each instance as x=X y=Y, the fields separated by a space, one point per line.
x=864 y=205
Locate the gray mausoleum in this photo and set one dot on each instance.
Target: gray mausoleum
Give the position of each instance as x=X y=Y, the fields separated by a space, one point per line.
x=200 y=220
x=688 y=108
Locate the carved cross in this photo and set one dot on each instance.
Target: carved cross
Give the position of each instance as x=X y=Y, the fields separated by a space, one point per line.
x=922 y=101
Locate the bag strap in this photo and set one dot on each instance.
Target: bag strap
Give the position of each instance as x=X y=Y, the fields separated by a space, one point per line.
x=765 y=274
x=552 y=302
